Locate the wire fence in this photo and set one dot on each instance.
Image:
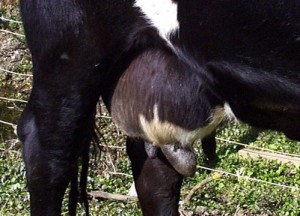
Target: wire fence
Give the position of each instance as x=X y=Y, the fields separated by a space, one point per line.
x=12 y=100
x=7 y=123
x=249 y=178
x=14 y=73
x=13 y=33
x=259 y=148
x=10 y=20
x=10 y=32
x=201 y=167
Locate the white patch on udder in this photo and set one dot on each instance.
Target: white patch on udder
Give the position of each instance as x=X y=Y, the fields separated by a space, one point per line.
x=162 y=14
x=229 y=114
x=160 y=133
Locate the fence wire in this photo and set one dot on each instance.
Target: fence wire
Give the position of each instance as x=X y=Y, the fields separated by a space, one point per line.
x=249 y=178
x=259 y=148
x=13 y=33
x=10 y=20
x=14 y=73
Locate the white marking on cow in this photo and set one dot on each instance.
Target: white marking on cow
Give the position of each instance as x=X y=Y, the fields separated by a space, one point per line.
x=160 y=133
x=162 y=14
x=64 y=56
x=229 y=114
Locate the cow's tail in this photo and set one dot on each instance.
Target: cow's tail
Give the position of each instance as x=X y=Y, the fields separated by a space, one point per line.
x=73 y=194
x=81 y=191
x=83 y=179
x=235 y=82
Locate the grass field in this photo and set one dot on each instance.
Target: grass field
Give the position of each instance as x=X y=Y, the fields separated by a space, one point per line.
x=229 y=194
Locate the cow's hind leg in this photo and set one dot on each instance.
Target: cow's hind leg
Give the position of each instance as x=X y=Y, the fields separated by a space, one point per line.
x=56 y=127
x=53 y=140
x=157 y=183
x=209 y=147
x=58 y=121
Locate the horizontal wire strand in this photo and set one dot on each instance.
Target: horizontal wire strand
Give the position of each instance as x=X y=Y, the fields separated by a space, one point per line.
x=13 y=33
x=13 y=100
x=7 y=123
x=249 y=178
x=263 y=149
x=15 y=73
x=10 y=20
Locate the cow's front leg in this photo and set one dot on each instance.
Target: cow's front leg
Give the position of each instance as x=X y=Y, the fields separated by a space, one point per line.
x=157 y=182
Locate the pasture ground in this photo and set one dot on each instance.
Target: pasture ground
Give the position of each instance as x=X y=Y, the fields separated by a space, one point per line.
x=110 y=170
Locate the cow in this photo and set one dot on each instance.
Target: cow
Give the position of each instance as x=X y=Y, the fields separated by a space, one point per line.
x=241 y=56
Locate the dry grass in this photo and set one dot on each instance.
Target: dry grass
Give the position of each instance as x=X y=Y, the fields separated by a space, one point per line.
x=8 y=3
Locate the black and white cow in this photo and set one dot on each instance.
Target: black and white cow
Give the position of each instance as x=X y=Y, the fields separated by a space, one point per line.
x=167 y=70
